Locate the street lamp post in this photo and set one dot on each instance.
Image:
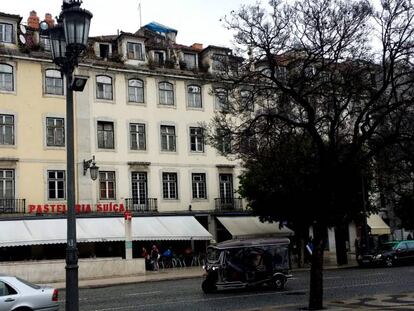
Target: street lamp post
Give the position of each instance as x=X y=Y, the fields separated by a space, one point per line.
x=69 y=40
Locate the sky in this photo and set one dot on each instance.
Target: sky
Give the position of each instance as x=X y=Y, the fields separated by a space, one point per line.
x=197 y=21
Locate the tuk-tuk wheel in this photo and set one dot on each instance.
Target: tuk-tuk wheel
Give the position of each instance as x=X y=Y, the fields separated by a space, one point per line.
x=279 y=282
x=208 y=287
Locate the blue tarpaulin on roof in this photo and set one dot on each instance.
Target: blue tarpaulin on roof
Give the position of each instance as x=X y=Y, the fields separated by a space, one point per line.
x=157 y=27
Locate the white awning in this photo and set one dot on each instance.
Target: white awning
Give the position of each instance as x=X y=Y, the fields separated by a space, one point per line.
x=248 y=227
x=377 y=225
x=168 y=228
x=53 y=231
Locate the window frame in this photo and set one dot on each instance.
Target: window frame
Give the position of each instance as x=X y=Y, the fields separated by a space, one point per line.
x=136 y=54
x=3 y=38
x=3 y=78
x=199 y=187
x=105 y=145
x=56 y=180
x=54 y=79
x=107 y=180
x=137 y=89
x=4 y=180
x=3 y=126
x=167 y=135
x=170 y=186
x=192 y=97
x=164 y=92
x=197 y=139
x=55 y=129
x=140 y=136
x=101 y=94
x=221 y=99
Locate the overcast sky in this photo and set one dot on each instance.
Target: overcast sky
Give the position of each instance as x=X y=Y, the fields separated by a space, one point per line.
x=196 y=20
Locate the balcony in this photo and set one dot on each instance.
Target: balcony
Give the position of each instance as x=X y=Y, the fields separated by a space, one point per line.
x=12 y=206
x=228 y=204
x=148 y=205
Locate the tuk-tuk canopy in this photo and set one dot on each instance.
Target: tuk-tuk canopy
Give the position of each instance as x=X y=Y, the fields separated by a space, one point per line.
x=252 y=242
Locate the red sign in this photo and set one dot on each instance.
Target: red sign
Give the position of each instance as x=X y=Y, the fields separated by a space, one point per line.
x=80 y=208
x=127 y=215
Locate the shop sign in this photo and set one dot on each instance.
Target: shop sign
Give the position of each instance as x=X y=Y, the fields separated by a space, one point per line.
x=110 y=207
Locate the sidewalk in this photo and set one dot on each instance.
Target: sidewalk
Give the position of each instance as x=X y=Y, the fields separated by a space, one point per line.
x=161 y=275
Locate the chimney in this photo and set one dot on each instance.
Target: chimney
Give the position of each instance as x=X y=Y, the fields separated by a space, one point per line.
x=33 y=20
x=49 y=20
x=197 y=46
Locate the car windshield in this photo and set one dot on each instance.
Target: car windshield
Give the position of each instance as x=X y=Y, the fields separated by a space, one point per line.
x=213 y=254
x=387 y=246
x=34 y=286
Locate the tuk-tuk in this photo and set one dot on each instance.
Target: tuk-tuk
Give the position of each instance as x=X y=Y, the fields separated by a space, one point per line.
x=245 y=263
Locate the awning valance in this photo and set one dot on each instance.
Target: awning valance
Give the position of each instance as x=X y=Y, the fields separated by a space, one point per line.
x=248 y=227
x=53 y=231
x=377 y=225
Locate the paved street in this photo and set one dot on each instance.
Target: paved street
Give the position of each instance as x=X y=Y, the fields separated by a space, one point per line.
x=390 y=289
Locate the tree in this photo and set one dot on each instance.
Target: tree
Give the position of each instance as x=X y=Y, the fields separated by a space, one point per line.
x=336 y=73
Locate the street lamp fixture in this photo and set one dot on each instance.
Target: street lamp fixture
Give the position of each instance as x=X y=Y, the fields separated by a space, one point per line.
x=69 y=41
x=93 y=169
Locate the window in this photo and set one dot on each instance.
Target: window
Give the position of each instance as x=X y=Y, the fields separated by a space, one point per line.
x=6 y=184
x=219 y=62
x=139 y=188
x=136 y=91
x=45 y=43
x=103 y=50
x=106 y=135
x=169 y=186
x=134 y=51
x=224 y=145
x=166 y=93
x=159 y=57
x=6 y=33
x=6 y=129
x=221 y=99
x=6 y=290
x=104 y=87
x=137 y=132
x=196 y=139
x=55 y=132
x=247 y=100
x=194 y=96
x=167 y=138
x=53 y=82
x=190 y=60
x=56 y=185
x=199 y=186
x=226 y=187
x=6 y=78
x=107 y=185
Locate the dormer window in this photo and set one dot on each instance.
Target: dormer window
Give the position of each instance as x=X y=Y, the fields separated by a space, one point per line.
x=159 y=57
x=134 y=51
x=190 y=60
x=45 y=43
x=220 y=62
x=104 y=50
x=6 y=33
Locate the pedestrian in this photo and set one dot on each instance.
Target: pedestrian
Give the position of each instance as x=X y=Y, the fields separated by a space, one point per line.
x=168 y=255
x=188 y=256
x=146 y=256
x=154 y=257
x=409 y=236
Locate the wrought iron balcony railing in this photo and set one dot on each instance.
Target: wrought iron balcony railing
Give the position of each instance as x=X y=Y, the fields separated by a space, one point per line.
x=141 y=205
x=12 y=206
x=228 y=204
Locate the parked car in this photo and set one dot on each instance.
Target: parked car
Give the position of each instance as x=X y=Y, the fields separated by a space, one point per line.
x=389 y=254
x=247 y=263
x=17 y=294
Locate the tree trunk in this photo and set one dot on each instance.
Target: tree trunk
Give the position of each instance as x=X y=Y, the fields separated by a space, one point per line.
x=316 y=280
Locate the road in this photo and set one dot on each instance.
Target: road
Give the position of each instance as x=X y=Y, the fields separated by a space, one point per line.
x=341 y=286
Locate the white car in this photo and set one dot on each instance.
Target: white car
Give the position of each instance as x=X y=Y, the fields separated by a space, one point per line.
x=20 y=295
